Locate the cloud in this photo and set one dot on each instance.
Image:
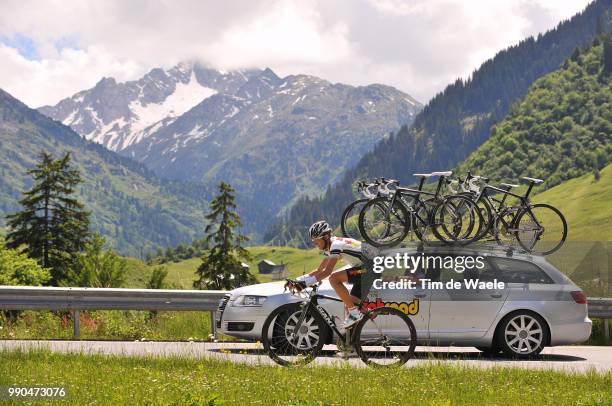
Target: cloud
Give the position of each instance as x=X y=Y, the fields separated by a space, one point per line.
x=286 y=35
x=417 y=46
x=38 y=82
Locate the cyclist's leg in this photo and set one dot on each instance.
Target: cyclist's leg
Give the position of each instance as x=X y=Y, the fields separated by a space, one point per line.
x=337 y=281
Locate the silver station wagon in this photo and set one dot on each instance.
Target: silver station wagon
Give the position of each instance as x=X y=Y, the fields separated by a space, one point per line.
x=535 y=306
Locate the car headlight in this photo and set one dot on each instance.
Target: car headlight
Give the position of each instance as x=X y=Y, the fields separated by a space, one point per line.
x=249 y=300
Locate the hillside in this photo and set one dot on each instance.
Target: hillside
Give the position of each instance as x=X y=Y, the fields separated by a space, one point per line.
x=456 y=121
x=134 y=210
x=561 y=130
x=585 y=203
x=587 y=255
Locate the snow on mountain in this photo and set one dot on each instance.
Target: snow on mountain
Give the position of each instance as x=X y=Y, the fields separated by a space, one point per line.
x=118 y=115
x=184 y=97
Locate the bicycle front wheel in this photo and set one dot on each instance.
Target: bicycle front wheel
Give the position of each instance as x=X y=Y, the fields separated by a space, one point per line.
x=385 y=337
x=350 y=219
x=382 y=224
x=540 y=229
x=291 y=337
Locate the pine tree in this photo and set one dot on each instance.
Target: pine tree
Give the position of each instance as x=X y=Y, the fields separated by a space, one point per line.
x=53 y=226
x=221 y=266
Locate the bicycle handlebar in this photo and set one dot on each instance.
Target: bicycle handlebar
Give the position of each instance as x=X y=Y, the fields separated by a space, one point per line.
x=376 y=187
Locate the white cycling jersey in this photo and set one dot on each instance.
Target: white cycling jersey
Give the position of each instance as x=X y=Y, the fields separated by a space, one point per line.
x=347 y=249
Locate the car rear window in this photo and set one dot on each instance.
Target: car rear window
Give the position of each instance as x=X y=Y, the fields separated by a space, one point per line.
x=517 y=271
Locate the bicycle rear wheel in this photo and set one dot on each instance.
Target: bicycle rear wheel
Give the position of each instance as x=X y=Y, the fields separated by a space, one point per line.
x=457 y=219
x=287 y=345
x=540 y=229
x=382 y=225
x=385 y=337
x=502 y=228
x=349 y=222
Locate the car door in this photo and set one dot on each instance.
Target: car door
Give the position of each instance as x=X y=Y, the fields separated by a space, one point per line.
x=413 y=302
x=465 y=312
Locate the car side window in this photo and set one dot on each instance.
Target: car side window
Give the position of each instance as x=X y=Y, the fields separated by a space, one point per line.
x=517 y=271
x=481 y=270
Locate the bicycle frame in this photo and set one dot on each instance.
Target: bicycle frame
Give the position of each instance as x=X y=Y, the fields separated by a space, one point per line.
x=416 y=193
x=525 y=204
x=313 y=304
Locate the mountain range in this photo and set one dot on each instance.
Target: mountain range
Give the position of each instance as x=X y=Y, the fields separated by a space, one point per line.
x=274 y=139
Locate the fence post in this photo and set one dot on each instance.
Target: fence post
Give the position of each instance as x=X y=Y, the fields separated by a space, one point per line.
x=76 y=323
x=213 y=324
x=606 y=330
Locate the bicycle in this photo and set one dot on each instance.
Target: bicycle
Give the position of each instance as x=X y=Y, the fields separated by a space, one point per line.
x=294 y=334
x=523 y=223
x=350 y=215
x=387 y=221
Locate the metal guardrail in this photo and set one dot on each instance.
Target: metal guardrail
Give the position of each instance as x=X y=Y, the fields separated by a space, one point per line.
x=76 y=299
x=600 y=307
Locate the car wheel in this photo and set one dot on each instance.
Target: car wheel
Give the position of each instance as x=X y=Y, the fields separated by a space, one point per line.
x=311 y=332
x=522 y=334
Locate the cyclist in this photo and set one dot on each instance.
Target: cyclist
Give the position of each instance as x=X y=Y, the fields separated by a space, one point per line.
x=335 y=248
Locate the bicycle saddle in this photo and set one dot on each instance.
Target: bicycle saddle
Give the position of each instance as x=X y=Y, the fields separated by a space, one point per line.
x=509 y=185
x=445 y=173
x=534 y=180
x=422 y=175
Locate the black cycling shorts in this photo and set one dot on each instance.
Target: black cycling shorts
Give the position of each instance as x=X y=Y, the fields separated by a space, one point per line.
x=355 y=278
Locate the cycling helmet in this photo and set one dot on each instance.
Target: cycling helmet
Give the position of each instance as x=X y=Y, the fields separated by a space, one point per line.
x=319 y=229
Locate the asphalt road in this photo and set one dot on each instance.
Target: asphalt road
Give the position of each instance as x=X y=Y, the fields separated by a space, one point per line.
x=565 y=358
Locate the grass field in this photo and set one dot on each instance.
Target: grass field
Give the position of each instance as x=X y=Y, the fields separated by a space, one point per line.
x=98 y=379
x=298 y=261
x=586 y=205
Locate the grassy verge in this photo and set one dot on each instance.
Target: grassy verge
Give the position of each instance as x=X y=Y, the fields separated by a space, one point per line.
x=108 y=325
x=182 y=274
x=96 y=379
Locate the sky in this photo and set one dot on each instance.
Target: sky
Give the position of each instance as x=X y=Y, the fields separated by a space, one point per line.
x=51 y=49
